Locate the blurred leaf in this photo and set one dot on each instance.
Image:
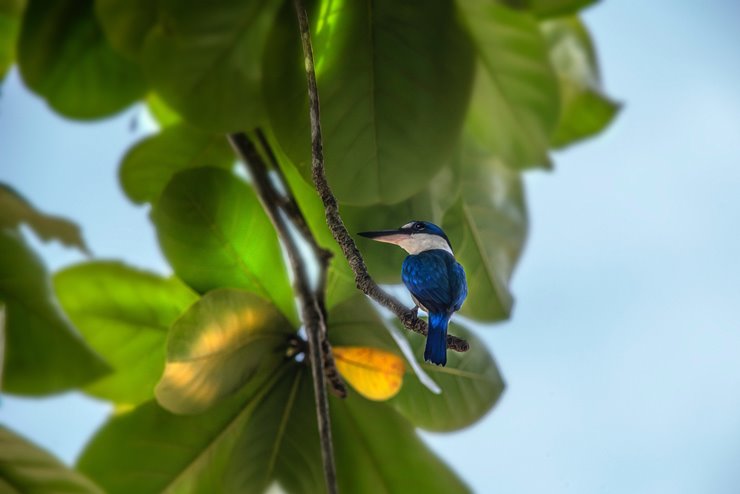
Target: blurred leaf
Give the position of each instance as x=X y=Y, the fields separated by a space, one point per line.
x=205 y=60
x=487 y=228
x=150 y=450
x=377 y=450
x=65 y=57
x=375 y=374
x=26 y=468
x=471 y=385
x=215 y=234
x=550 y=8
x=126 y=23
x=585 y=111
x=162 y=114
x=124 y=314
x=16 y=209
x=11 y=12
x=219 y=344
x=515 y=100
x=43 y=353
x=394 y=80
x=150 y=164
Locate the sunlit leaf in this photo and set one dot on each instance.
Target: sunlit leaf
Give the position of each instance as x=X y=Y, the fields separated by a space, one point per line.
x=375 y=374
x=124 y=314
x=394 y=79
x=585 y=110
x=515 y=101
x=205 y=60
x=212 y=229
x=549 y=8
x=11 y=12
x=26 y=468
x=487 y=228
x=218 y=345
x=471 y=386
x=126 y=23
x=16 y=209
x=65 y=57
x=151 y=163
x=43 y=353
x=161 y=112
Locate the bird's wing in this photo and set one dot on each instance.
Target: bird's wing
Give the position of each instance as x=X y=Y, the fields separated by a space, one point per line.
x=458 y=284
x=427 y=277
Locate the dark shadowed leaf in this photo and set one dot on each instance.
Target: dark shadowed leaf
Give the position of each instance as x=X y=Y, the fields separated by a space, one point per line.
x=16 y=209
x=470 y=382
x=215 y=234
x=26 y=468
x=487 y=228
x=65 y=57
x=515 y=101
x=151 y=163
x=124 y=314
x=43 y=353
x=394 y=80
x=126 y=23
x=205 y=60
x=219 y=344
x=585 y=110
x=11 y=12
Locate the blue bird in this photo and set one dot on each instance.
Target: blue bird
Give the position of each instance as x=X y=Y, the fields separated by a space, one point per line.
x=432 y=275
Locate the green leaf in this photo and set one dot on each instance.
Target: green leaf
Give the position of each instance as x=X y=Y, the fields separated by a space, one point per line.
x=126 y=23
x=43 y=353
x=16 y=209
x=487 y=227
x=219 y=344
x=151 y=163
x=515 y=100
x=150 y=450
x=355 y=322
x=65 y=57
x=212 y=229
x=377 y=450
x=26 y=468
x=205 y=60
x=394 y=80
x=550 y=8
x=585 y=110
x=124 y=314
x=471 y=386
x=160 y=112
x=11 y=12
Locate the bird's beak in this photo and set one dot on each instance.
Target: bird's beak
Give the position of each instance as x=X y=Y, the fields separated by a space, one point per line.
x=387 y=236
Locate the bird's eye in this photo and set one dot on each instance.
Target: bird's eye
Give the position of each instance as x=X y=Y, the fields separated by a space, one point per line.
x=418 y=226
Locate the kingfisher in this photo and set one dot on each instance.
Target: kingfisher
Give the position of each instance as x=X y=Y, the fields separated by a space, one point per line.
x=432 y=275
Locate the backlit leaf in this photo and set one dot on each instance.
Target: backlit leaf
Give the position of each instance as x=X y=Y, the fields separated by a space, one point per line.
x=11 y=12
x=549 y=8
x=126 y=23
x=375 y=374
x=218 y=345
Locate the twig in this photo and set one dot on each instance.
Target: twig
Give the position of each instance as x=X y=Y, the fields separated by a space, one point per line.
x=362 y=279
x=312 y=313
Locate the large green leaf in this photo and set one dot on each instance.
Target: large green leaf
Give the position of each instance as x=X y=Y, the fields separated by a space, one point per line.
x=11 y=12
x=394 y=81
x=151 y=163
x=378 y=451
x=215 y=234
x=219 y=344
x=585 y=110
x=205 y=60
x=65 y=57
x=26 y=468
x=161 y=112
x=126 y=23
x=487 y=227
x=470 y=382
x=124 y=314
x=43 y=353
x=549 y=8
x=16 y=209
x=515 y=101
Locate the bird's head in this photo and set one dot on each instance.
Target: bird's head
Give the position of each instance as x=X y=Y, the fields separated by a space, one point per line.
x=413 y=237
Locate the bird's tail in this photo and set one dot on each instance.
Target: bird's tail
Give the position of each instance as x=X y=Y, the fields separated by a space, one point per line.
x=436 y=349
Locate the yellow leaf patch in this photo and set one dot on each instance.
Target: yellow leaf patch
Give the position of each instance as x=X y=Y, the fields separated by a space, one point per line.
x=375 y=374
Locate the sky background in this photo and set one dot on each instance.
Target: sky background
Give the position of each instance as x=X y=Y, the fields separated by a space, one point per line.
x=622 y=358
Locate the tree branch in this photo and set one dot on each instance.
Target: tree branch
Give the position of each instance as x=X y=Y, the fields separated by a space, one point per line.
x=312 y=313
x=363 y=280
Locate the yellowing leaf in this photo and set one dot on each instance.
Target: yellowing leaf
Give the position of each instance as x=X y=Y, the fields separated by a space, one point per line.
x=375 y=374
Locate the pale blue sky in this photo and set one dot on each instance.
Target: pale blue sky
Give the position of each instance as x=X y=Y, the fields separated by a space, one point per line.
x=622 y=358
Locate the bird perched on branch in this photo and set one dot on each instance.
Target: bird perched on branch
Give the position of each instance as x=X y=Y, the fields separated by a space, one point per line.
x=432 y=275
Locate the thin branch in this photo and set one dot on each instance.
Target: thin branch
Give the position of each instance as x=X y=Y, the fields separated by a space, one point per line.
x=362 y=279
x=311 y=311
